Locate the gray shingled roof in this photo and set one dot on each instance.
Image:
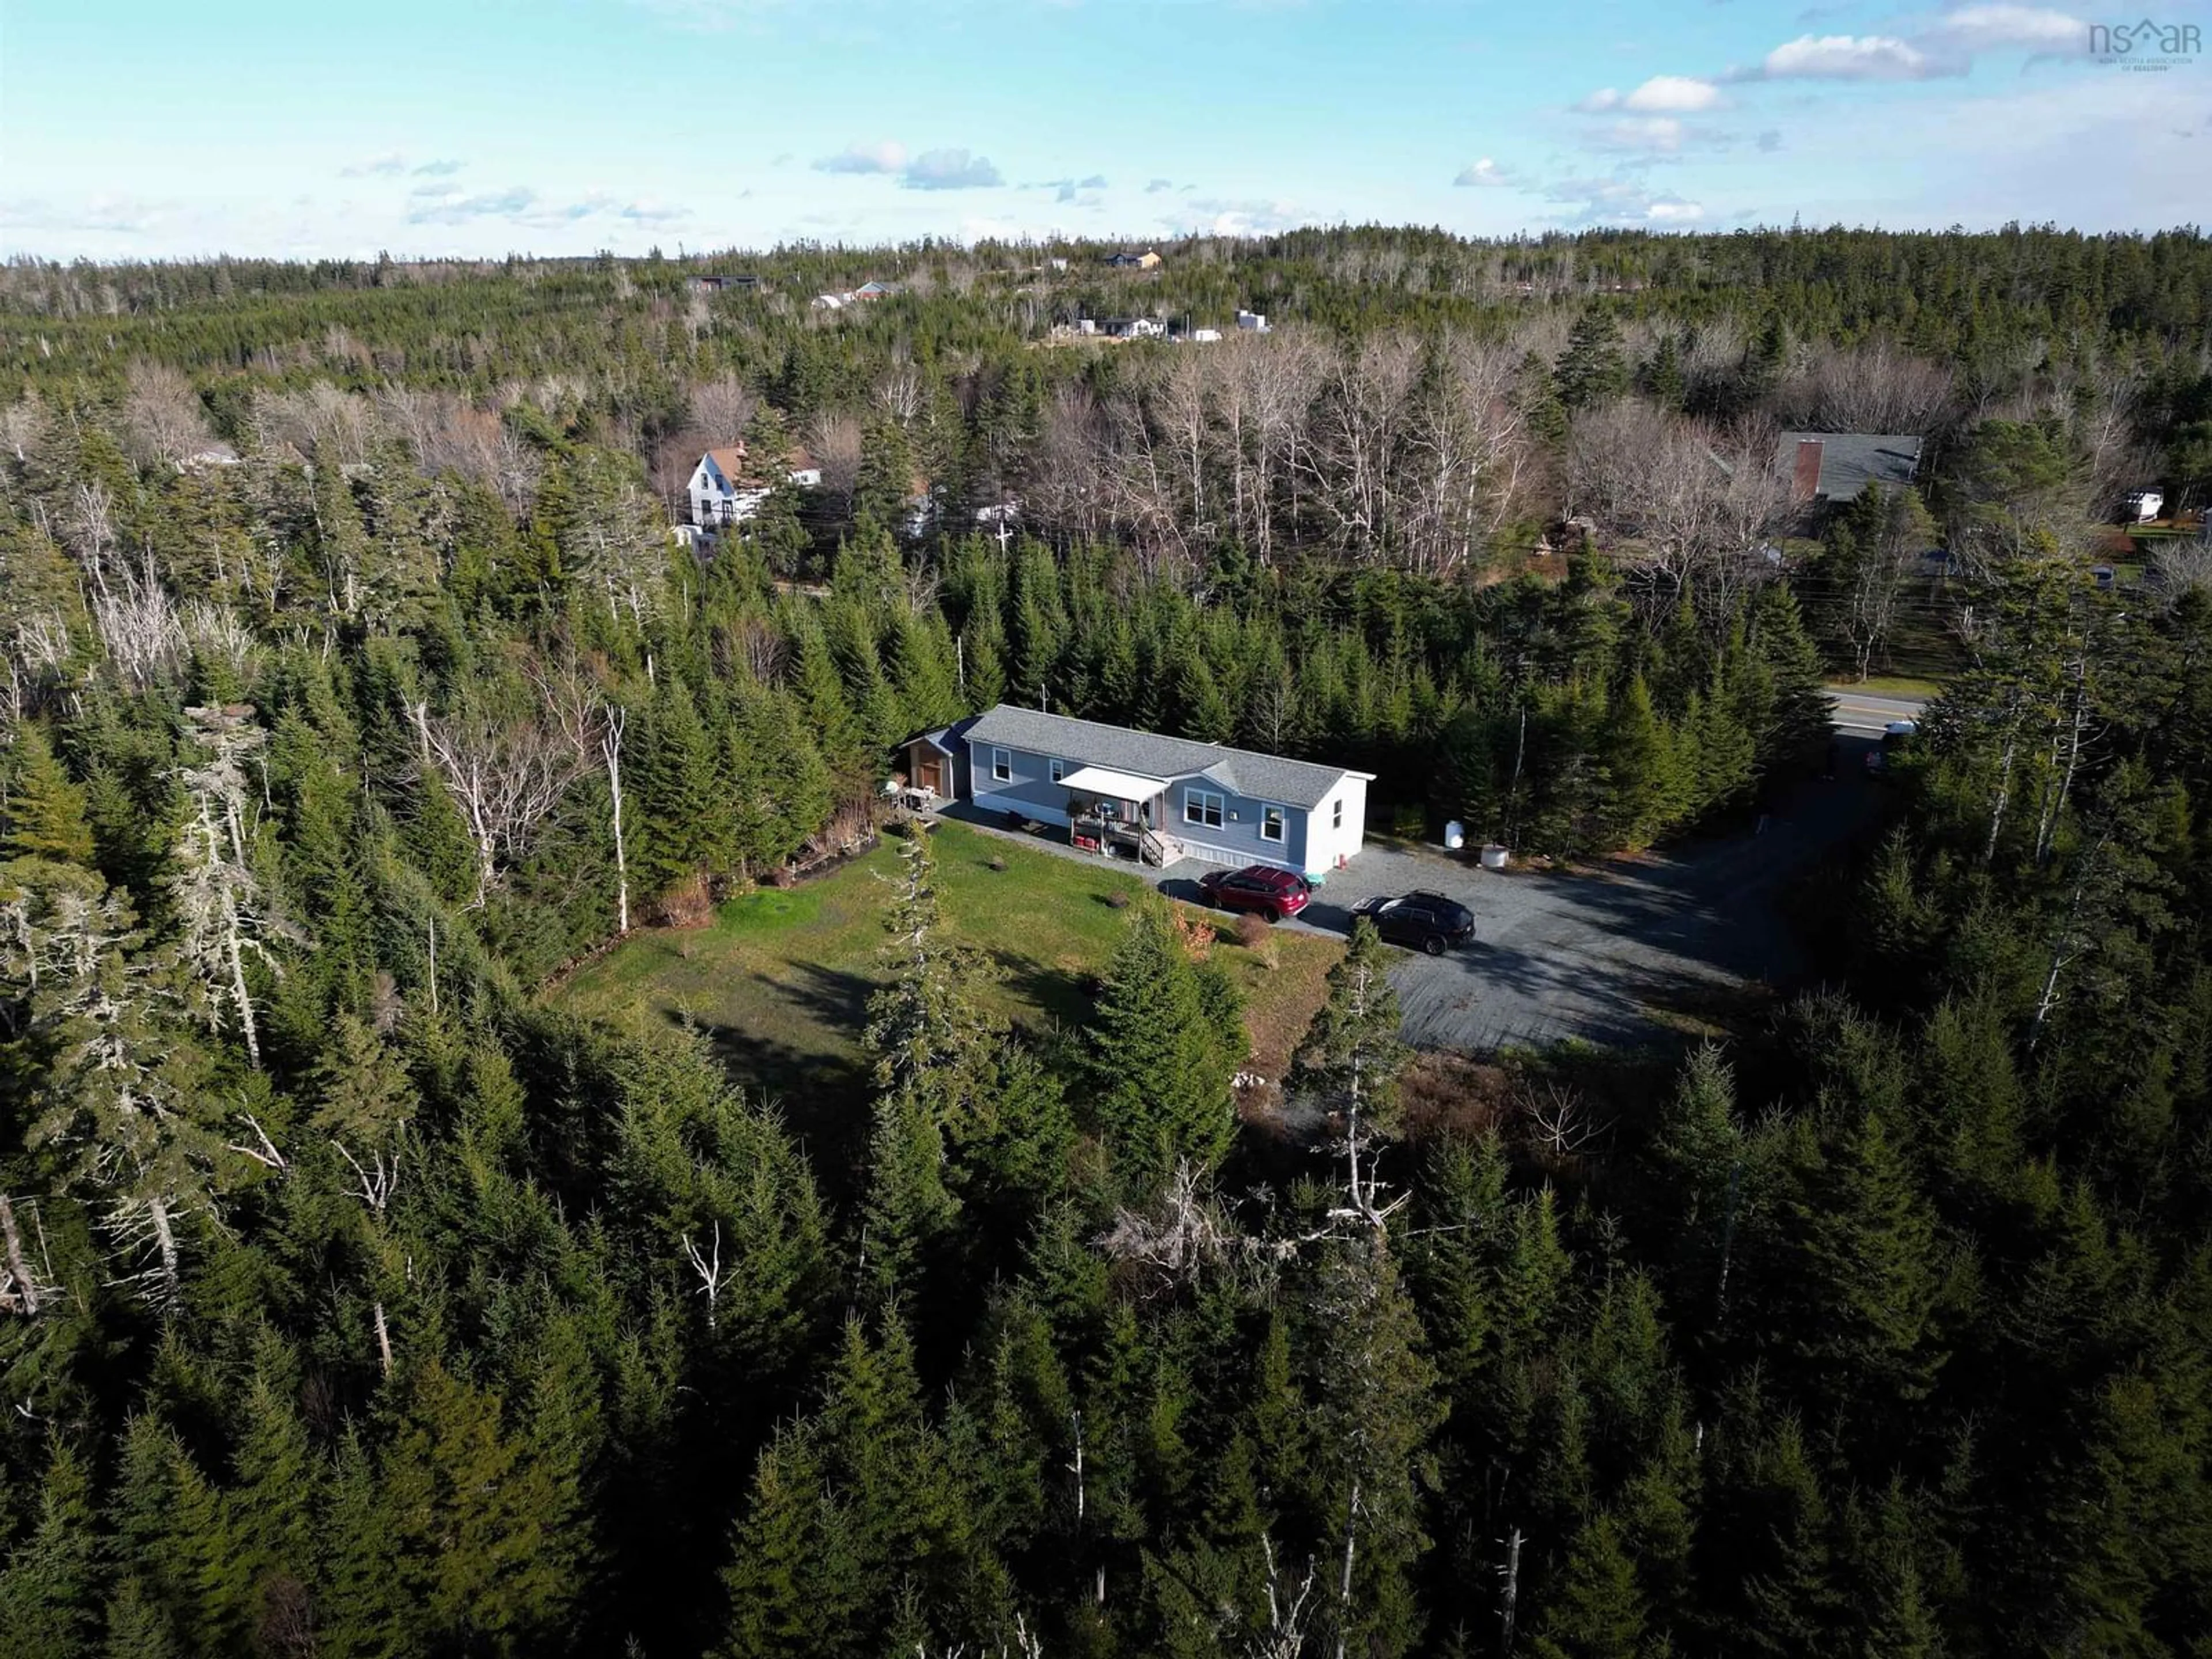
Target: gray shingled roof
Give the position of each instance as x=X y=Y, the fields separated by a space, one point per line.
x=1849 y=461
x=1256 y=777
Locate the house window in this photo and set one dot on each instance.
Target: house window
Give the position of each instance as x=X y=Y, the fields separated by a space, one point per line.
x=1002 y=766
x=1336 y=815
x=1202 y=806
x=1057 y=768
x=1270 y=822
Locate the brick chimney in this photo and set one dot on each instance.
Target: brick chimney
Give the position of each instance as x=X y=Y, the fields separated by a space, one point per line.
x=1805 y=474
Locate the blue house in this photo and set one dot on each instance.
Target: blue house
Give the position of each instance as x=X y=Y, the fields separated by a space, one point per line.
x=1146 y=796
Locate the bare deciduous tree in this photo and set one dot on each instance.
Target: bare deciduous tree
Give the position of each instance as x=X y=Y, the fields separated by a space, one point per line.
x=722 y=407
x=1876 y=387
x=163 y=419
x=504 y=775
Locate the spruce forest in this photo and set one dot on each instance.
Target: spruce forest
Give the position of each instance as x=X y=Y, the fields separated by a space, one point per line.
x=358 y=1299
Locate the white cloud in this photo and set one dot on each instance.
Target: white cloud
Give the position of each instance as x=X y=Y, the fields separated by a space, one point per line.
x=1153 y=187
x=949 y=169
x=1614 y=200
x=933 y=169
x=1673 y=94
x=1994 y=27
x=388 y=164
x=1603 y=98
x=886 y=157
x=1656 y=135
x=442 y=204
x=107 y=214
x=1207 y=216
x=1847 y=57
x=1483 y=175
x=438 y=169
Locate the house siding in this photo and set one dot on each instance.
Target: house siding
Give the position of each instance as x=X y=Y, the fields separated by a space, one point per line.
x=1031 y=792
x=1239 y=834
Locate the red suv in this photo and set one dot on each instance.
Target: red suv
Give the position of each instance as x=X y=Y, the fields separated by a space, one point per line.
x=1268 y=893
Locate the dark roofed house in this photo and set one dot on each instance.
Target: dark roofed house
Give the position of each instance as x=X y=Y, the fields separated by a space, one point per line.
x=1837 y=466
x=1156 y=798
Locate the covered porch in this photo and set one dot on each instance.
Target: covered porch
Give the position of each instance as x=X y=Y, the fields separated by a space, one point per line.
x=1119 y=815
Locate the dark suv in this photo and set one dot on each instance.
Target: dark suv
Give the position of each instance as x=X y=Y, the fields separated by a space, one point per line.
x=1430 y=921
x=1267 y=892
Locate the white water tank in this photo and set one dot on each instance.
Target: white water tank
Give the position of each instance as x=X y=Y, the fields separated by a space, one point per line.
x=1455 y=835
x=1494 y=857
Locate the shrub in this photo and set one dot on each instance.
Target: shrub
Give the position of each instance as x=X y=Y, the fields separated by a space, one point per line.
x=687 y=904
x=996 y=864
x=1116 y=900
x=1252 y=932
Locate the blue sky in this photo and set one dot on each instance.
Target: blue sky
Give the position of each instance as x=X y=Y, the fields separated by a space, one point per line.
x=481 y=127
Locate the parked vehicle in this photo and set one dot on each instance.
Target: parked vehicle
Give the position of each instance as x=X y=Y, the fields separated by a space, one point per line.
x=1428 y=921
x=1265 y=892
x=1896 y=736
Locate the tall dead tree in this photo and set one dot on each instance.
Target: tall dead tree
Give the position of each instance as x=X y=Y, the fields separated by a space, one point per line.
x=595 y=726
x=221 y=910
x=505 y=776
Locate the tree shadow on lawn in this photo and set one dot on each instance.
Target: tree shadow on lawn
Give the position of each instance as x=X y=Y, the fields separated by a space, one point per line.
x=824 y=1098
x=1061 y=994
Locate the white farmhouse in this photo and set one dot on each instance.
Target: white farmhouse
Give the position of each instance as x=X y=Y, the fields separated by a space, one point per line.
x=719 y=494
x=1252 y=322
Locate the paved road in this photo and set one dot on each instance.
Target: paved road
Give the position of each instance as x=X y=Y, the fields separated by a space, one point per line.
x=1864 y=711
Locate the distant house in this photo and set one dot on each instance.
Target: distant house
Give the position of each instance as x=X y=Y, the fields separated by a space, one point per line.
x=1203 y=336
x=874 y=291
x=1129 y=259
x=726 y=490
x=1156 y=798
x=1252 y=322
x=1133 y=328
x=213 y=454
x=1825 y=467
x=717 y=283
x=721 y=493
x=830 y=301
x=2144 y=505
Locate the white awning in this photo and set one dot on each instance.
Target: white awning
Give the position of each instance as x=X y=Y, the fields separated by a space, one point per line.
x=1108 y=785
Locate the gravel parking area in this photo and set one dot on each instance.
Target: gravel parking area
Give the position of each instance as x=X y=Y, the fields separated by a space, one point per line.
x=1598 y=955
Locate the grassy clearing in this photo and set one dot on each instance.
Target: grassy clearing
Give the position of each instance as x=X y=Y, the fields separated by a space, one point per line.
x=779 y=982
x=1890 y=685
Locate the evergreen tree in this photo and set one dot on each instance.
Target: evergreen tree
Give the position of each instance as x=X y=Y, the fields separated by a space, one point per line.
x=1160 y=1066
x=50 y=1586
x=681 y=799
x=1593 y=370
x=44 y=810
x=1595 y=1611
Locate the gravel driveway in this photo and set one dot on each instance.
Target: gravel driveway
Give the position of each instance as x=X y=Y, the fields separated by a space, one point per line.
x=1595 y=955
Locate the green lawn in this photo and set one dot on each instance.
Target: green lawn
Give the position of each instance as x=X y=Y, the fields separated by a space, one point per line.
x=1890 y=685
x=778 y=983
